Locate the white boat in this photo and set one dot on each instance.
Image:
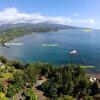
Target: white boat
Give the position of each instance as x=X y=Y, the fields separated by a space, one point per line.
x=73 y=52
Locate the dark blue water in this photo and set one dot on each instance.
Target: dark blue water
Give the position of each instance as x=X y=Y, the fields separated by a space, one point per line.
x=86 y=43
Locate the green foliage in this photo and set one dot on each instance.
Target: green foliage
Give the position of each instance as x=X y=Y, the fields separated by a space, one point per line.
x=45 y=86
x=3 y=87
x=68 y=98
x=31 y=73
x=11 y=91
x=15 y=32
x=2 y=96
x=70 y=80
x=46 y=69
x=7 y=75
x=18 y=80
x=3 y=59
x=89 y=98
x=17 y=64
x=29 y=94
x=53 y=90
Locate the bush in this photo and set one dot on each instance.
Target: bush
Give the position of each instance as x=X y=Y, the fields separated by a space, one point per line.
x=3 y=87
x=69 y=98
x=89 y=98
x=11 y=91
x=66 y=98
x=29 y=94
x=2 y=96
x=3 y=59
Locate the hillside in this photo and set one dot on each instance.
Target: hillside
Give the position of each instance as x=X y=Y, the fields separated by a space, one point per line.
x=12 y=31
x=26 y=81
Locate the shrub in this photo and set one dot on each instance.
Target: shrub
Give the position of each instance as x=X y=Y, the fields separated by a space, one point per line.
x=29 y=94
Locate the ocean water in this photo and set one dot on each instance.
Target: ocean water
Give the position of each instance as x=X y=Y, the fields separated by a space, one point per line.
x=54 y=47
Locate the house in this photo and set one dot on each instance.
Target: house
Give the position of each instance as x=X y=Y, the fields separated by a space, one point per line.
x=93 y=79
x=1 y=65
x=96 y=75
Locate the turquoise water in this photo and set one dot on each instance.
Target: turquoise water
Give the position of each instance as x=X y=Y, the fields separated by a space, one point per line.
x=54 y=47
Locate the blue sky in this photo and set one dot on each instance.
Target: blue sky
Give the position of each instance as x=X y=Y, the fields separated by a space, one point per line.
x=84 y=13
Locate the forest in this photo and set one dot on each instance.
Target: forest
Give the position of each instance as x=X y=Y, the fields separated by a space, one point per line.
x=67 y=82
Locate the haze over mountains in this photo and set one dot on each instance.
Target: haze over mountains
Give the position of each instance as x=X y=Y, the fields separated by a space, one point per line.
x=12 y=17
x=38 y=25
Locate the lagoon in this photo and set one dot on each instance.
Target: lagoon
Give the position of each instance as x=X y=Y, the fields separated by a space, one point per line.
x=54 y=47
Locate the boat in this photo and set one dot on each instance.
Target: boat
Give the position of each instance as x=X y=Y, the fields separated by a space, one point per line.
x=73 y=52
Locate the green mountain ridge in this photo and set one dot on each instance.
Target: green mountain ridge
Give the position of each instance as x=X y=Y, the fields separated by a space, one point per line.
x=12 y=31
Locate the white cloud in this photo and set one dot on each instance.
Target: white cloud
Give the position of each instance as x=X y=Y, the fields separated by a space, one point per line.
x=13 y=16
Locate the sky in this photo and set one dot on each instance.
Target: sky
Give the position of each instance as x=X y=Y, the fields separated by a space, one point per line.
x=83 y=13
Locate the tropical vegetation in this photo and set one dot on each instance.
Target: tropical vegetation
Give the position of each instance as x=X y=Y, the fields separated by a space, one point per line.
x=68 y=82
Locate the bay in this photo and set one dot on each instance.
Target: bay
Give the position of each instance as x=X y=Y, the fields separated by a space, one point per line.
x=54 y=47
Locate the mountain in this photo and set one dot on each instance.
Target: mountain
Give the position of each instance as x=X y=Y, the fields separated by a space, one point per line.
x=36 y=26
x=9 y=32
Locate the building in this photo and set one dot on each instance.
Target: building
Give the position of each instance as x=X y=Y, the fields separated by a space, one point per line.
x=1 y=65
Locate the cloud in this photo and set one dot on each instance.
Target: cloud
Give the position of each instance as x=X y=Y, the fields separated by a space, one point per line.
x=13 y=16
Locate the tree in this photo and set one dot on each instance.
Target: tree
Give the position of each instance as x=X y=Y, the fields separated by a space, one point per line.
x=68 y=88
x=3 y=59
x=45 y=86
x=53 y=90
x=46 y=70
x=19 y=77
x=17 y=64
x=31 y=73
x=18 y=80
x=94 y=88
